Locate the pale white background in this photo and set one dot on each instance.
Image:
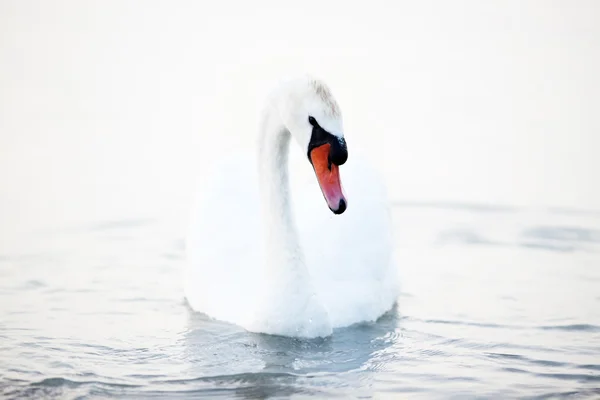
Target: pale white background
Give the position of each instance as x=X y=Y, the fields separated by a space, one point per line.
x=112 y=109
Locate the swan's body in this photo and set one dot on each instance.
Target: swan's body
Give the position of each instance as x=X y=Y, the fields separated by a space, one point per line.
x=279 y=262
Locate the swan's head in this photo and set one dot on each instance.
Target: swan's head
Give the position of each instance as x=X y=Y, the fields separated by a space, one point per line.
x=314 y=119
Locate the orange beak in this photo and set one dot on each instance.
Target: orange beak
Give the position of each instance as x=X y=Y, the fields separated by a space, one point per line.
x=328 y=175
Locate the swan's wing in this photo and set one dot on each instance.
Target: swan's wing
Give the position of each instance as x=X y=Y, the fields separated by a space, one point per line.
x=350 y=256
x=224 y=246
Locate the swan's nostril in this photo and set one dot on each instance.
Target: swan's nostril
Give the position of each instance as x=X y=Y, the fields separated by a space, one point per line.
x=341 y=207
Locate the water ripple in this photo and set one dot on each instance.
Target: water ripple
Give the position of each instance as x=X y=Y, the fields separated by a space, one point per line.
x=573 y=327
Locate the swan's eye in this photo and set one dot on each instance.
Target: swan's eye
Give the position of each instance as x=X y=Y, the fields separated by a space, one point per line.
x=312 y=121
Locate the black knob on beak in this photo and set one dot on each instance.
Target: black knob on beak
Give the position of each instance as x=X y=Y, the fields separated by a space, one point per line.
x=338 y=153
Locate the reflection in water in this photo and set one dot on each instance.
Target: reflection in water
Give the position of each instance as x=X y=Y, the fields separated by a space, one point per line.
x=259 y=366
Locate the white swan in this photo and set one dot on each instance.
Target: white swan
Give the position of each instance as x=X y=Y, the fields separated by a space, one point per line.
x=272 y=265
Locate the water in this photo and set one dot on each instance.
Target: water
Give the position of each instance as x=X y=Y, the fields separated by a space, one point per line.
x=496 y=302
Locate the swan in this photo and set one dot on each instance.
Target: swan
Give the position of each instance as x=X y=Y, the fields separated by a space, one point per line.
x=270 y=256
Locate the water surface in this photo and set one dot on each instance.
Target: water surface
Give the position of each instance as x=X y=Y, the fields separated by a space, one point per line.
x=496 y=302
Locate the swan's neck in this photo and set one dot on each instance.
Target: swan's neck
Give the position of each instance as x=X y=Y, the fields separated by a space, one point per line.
x=290 y=304
x=284 y=253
